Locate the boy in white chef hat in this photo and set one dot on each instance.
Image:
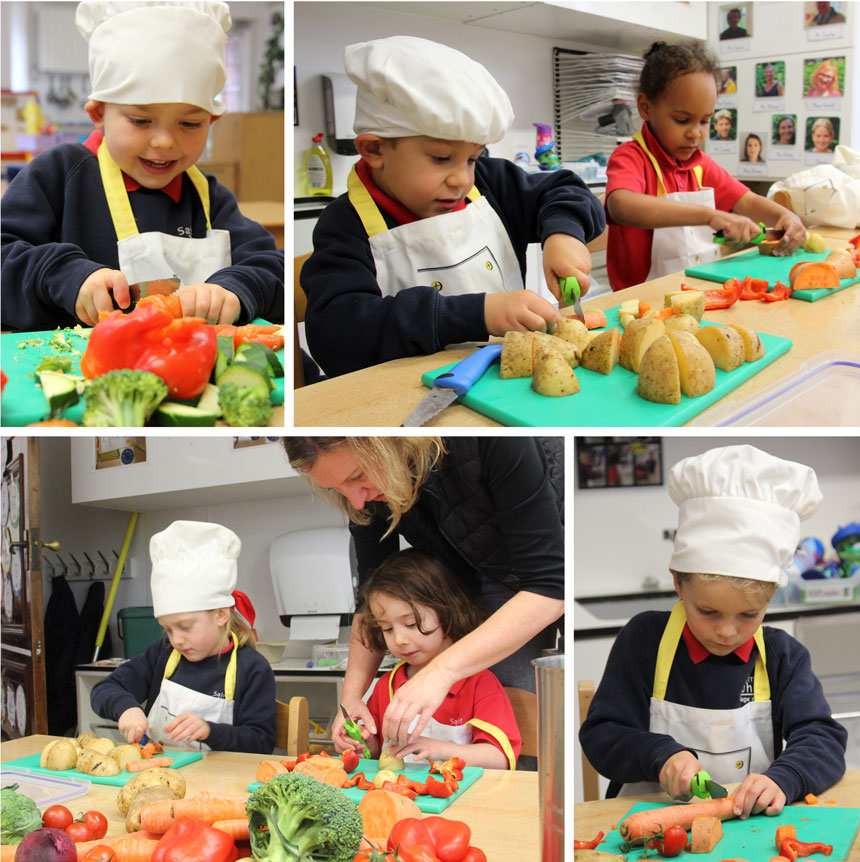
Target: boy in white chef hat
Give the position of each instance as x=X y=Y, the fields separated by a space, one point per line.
x=427 y=248
x=204 y=684
x=706 y=687
x=82 y=222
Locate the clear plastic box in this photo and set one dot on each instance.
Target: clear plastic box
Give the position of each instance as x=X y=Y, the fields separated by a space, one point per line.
x=44 y=790
x=332 y=656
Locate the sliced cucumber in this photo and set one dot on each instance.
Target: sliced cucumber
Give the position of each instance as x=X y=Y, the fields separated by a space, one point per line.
x=60 y=390
x=249 y=353
x=174 y=413
x=225 y=343
x=276 y=369
x=243 y=374
x=220 y=366
x=209 y=400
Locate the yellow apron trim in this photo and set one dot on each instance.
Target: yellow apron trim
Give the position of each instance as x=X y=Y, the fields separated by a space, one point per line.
x=366 y=207
x=229 y=679
x=661 y=189
x=669 y=645
x=117 y=197
x=499 y=735
x=391 y=679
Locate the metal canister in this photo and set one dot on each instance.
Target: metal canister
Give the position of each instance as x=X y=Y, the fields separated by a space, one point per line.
x=549 y=673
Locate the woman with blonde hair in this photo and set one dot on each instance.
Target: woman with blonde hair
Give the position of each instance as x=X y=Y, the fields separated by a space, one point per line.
x=492 y=509
x=824 y=82
x=822 y=135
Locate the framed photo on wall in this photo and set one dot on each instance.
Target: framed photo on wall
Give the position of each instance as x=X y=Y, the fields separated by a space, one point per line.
x=619 y=462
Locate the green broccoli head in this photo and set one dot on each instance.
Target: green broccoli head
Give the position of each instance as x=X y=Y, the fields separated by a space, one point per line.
x=123 y=398
x=296 y=818
x=244 y=406
x=19 y=814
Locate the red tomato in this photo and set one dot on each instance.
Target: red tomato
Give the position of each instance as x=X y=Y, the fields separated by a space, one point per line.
x=57 y=817
x=79 y=831
x=100 y=853
x=97 y=822
x=674 y=840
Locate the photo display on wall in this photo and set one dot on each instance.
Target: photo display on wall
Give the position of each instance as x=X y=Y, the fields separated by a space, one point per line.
x=783 y=137
x=825 y=20
x=822 y=136
x=752 y=154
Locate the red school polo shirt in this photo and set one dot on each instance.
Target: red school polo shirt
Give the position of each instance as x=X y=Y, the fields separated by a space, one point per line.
x=628 y=251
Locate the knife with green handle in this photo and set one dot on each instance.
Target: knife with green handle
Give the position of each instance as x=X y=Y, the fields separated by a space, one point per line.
x=570 y=293
x=703 y=786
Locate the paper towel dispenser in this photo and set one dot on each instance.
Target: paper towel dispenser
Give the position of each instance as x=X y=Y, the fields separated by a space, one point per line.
x=339 y=103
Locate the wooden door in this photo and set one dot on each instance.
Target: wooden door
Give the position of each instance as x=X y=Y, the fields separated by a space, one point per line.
x=22 y=655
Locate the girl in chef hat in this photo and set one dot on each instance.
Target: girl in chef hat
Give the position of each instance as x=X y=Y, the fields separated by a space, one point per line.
x=705 y=686
x=204 y=685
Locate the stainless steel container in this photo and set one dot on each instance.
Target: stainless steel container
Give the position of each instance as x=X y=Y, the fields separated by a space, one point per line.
x=549 y=673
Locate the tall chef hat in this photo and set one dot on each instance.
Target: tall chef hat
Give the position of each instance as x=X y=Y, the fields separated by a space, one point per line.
x=740 y=512
x=193 y=567
x=410 y=86
x=163 y=51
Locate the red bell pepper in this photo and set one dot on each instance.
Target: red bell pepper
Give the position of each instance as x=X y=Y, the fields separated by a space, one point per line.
x=439 y=789
x=855 y=241
x=433 y=839
x=722 y=298
x=350 y=760
x=753 y=288
x=267 y=334
x=358 y=780
x=3 y=380
x=792 y=849
x=399 y=788
x=419 y=787
x=588 y=845
x=780 y=291
x=192 y=840
x=181 y=352
x=451 y=837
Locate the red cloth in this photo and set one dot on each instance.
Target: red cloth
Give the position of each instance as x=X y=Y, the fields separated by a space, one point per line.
x=628 y=251
x=245 y=607
x=698 y=652
x=479 y=696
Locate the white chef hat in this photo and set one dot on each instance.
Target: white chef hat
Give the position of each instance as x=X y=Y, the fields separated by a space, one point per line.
x=143 y=53
x=410 y=86
x=193 y=567
x=740 y=512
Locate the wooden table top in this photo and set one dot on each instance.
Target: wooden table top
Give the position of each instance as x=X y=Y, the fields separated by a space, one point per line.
x=383 y=395
x=500 y=807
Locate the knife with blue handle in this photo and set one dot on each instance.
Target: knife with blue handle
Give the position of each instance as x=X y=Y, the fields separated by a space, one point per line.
x=448 y=387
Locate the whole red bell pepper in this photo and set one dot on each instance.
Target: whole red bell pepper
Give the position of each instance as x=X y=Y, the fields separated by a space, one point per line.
x=722 y=298
x=180 y=351
x=192 y=840
x=792 y=849
x=433 y=839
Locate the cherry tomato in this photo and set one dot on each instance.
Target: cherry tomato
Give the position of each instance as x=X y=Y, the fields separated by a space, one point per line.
x=100 y=853
x=57 y=817
x=77 y=830
x=673 y=841
x=97 y=822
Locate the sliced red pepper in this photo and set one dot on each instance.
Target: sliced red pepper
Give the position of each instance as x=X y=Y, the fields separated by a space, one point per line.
x=267 y=334
x=289 y=765
x=419 y=787
x=398 y=788
x=358 y=780
x=3 y=380
x=192 y=840
x=753 y=288
x=439 y=789
x=588 y=845
x=350 y=760
x=855 y=241
x=792 y=849
x=727 y=295
x=780 y=291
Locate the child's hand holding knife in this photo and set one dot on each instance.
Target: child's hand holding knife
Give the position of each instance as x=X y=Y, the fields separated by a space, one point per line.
x=353 y=731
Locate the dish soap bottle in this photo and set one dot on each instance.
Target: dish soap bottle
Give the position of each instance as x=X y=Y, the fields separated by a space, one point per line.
x=318 y=168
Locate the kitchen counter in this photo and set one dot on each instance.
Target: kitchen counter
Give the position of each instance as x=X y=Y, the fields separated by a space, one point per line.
x=501 y=807
x=383 y=395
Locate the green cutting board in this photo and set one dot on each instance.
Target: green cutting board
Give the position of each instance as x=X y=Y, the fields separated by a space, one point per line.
x=428 y=804
x=20 y=353
x=180 y=757
x=603 y=399
x=771 y=269
x=754 y=838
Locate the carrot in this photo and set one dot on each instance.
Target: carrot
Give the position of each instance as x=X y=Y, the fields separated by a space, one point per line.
x=84 y=847
x=643 y=307
x=381 y=809
x=665 y=313
x=157 y=816
x=810 y=799
x=783 y=832
x=133 y=848
x=645 y=823
x=210 y=807
x=7 y=852
x=140 y=765
x=268 y=769
x=778 y=859
x=237 y=828
x=594 y=319
x=705 y=832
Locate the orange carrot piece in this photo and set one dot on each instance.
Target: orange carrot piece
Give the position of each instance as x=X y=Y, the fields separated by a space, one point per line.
x=84 y=847
x=666 y=313
x=810 y=799
x=7 y=852
x=783 y=832
x=157 y=816
x=210 y=807
x=643 y=307
x=645 y=823
x=140 y=765
x=134 y=848
x=237 y=828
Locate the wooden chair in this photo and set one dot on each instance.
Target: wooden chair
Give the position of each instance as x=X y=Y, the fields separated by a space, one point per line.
x=524 y=704
x=293 y=730
x=300 y=302
x=590 y=788
x=599 y=242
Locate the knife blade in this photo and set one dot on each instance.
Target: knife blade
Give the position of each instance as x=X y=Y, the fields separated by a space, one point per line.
x=570 y=292
x=448 y=387
x=703 y=786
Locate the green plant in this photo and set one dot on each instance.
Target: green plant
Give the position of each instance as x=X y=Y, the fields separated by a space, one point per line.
x=272 y=58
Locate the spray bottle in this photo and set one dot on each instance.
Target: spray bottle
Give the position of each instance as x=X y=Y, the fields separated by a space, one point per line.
x=546 y=158
x=318 y=168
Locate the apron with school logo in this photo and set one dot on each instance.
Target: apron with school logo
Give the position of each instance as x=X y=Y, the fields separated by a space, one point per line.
x=468 y=251
x=154 y=255
x=729 y=743
x=676 y=248
x=174 y=699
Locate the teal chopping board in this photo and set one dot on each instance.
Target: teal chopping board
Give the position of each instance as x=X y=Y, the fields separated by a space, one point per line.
x=20 y=353
x=428 y=804
x=754 y=839
x=603 y=399
x=772 y=269
x=180 y=758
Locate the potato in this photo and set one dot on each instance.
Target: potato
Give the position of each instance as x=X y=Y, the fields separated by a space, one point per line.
x=103 y=765
x=59 y=755
x=159 y=793
x=601 y=355
x=158 y=776
x=85 y=739
x=387 y=760
x=516 y=359
x=695 y=366
x=102 y=744
x=382 y=776
x=690 y=302
x=753 y=345
x=659 y=376
x=726 y=346
x=544 y=344
x=842 y=262
x=124 y=754
x=682 y=322
x=85 y=758
x=554 y=377
x=814 y=243
x=637 y=338
x=572 y=330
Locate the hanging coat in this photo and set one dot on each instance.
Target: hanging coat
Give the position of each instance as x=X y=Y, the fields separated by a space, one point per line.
x=61 y=644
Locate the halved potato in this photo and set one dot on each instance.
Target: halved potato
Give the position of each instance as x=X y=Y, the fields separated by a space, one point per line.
x=103 y=765
x=637 y=338
x=517 y=358
x=659 y=376
x=86 y=758
x=695 y=366
x=554 y=377
x=683 y=322
x=753 y=345
x=572 y=330
x=124 y=754
x=59 y=755
x=842 y=262
x=690 y=302
x=85 y=739
x=814 y=243
x=601 y=354
x=544 y=343
x=725 y=344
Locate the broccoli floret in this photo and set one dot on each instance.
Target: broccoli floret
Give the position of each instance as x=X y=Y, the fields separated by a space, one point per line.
x=55 y=363
x=244 y=405
x=20 y=816
x=123 y=398
x=296 y=818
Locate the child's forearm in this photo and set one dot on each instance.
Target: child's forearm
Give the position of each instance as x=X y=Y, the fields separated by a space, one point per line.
x=636 y=210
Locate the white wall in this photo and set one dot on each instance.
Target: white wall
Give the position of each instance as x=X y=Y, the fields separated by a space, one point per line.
x=618 y=532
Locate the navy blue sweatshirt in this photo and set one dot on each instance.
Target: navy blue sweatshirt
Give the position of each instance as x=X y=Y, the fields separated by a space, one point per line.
x=137 y=682
x=615 y=735
x=350 y=325
x=57 y=231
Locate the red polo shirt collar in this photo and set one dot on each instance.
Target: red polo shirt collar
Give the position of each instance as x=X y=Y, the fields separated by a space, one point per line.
x=401 y=672
x=700 y=653
x=666 y=162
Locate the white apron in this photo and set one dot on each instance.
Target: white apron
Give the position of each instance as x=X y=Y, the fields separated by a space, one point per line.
x=458 y=252
x=154 y=255
x=729 y=743
x=675 y=248
x=174 y=699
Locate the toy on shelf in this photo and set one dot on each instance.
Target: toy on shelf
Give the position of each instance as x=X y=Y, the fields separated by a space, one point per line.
x=846 y=543
x=544 y=154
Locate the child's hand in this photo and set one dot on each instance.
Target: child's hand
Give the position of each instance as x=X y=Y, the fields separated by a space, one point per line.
x=565 y=256
x=677 y=773
x=523 y=310
x=187 y=726
x=795 y=233
x=737 y=229
x=358 y=711
x=758 y=793
x=133 y=724
x=210 y=301
x=95 y=294
x=423 y=748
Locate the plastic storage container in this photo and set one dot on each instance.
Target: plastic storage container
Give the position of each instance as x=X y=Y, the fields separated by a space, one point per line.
x=332 y=656
x=138 y=629
x=44 y=790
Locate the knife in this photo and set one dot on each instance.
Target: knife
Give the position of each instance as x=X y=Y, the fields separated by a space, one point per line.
x=703 y=786
x=448 y=387
x=570 y=293
x=353 y=731
x=766 y=233
x=149 y=288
